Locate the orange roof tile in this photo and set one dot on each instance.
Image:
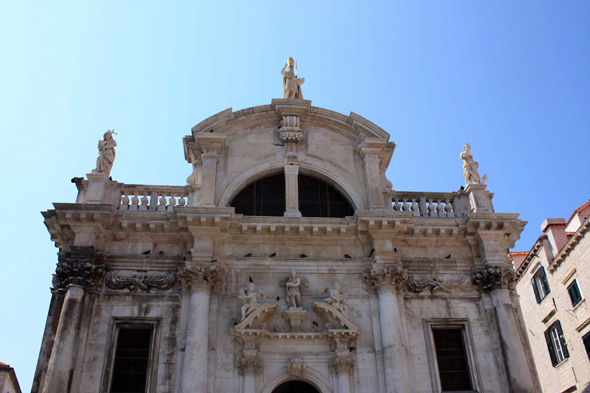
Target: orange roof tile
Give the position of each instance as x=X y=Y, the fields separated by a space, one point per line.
x=585 y=205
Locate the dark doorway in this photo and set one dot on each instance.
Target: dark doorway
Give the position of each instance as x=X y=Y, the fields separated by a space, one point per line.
x=295 y=387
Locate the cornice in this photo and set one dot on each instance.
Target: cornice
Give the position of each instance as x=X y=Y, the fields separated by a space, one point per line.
x=570 y=245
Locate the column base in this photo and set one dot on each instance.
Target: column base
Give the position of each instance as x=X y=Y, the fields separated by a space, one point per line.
x=292 y=213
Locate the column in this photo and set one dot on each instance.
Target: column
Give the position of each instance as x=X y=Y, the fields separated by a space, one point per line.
x=385 y=281
x=76 y=269
x=342 y=366
x=291 y=191
x=249 y=368
x=498 y=282
x=199 y=280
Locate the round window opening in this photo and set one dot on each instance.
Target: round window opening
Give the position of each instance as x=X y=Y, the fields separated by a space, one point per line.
x=295 y=387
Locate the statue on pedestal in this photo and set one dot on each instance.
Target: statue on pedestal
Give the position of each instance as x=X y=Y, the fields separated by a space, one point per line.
x=291 y=84
x=250 y=296
x=106 y=153
x=337 y=299
x=470 y=168
x=292 y=283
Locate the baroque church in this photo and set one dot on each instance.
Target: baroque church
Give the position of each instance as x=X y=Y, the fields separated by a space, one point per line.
x=286 y=264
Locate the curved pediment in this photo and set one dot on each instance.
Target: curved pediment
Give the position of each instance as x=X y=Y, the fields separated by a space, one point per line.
x=335 y=317
x=256 y=319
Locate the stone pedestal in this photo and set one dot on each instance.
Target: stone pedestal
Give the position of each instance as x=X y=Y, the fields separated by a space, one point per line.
x=296 y=317
x=97 y=184
x=479 y=199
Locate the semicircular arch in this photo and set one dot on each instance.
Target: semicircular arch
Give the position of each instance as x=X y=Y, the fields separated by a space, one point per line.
x=311 y=376
x=329 y=176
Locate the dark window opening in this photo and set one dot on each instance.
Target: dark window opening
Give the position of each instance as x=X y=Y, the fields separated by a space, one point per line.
x=264 y=197
x=540 y=284
x=319 y=199
x=586 y=341
x=131 y=360
x=295 y=387
x=556 y=344
x=574 y=291
x=453 y=365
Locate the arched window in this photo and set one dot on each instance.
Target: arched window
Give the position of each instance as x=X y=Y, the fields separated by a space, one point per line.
x=319 y=199
x=264 y=197
x=295 y=387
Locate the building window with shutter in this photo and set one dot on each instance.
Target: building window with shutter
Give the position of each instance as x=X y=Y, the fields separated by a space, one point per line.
x=540 y=284
x=556 y=344
x=574 y=291
x=586 y=341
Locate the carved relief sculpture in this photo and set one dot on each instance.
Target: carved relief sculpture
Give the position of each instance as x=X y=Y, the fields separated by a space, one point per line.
x=463 y=285
x=106 y=153
x=250 y=296
x=140 y=283
x=296 y=368
x=337 y=299
x=494 y=278
x=292 y=283
x=470 y=168
x=291 y=84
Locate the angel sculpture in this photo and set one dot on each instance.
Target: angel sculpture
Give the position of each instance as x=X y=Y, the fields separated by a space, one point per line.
x=292 y=283
x=337 y=299
x=250 y=296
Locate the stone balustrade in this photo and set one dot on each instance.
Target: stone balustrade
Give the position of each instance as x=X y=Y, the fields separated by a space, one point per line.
x=153 y=198
x=430 y=204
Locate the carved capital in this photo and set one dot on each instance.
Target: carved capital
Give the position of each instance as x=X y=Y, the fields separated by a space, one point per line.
x=384 y=278
x=495 y=278
x=80 y=266
x=249 y=366
x=202 y=276
x=342 y=365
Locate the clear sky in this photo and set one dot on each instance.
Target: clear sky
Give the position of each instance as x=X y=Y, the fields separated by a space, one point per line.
x=511 y=78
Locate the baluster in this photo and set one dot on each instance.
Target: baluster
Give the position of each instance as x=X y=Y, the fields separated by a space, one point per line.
x=172 y=203
x=449 y=209
x=144 y=203
x=396 y=206
x=182 y=201
x=124 y=203
x=162 y=204
x=134 y=203
x=415 y=208
x=431 y=207
x=153 y=201
x=439 y=209
x=405 y=205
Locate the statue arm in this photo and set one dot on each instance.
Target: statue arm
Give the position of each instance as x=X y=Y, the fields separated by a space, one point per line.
x=283 y=70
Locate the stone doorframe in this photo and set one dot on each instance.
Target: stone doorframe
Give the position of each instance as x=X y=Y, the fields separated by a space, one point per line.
x=312 y=376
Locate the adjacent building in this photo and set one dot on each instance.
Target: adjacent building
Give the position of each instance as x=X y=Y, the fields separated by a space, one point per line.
x=8 y=381
x=553 y=282
x=286 y=263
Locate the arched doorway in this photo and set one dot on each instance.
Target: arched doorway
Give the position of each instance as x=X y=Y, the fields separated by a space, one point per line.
x=295 y=387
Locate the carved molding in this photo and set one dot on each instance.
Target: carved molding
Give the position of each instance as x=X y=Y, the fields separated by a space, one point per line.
x=296 y=368
x=135 y=284
x=388 y=277
x=249 y=366
x=342 y=365
x=495 y=278
x=79 y=266
x=463 y=285
x=202 y=276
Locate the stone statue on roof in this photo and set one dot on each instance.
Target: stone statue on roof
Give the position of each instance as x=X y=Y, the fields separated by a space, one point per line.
x=106 y=153
x=470 y=168
x=291 y=84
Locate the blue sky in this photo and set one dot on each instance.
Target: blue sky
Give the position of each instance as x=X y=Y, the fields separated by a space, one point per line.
x=510 y=78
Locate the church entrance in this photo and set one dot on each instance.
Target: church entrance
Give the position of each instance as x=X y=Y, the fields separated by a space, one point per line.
x=295 y=387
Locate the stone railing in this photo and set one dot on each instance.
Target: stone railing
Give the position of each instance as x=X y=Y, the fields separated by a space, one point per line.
x=430 y=204
x=152 y=198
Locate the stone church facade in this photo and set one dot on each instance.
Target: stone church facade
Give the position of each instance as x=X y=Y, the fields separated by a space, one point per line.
x=287 y=263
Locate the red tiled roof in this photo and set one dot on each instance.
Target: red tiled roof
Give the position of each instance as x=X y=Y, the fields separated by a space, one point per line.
x=4 y=364
x=518 y=253
x=585 y=205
